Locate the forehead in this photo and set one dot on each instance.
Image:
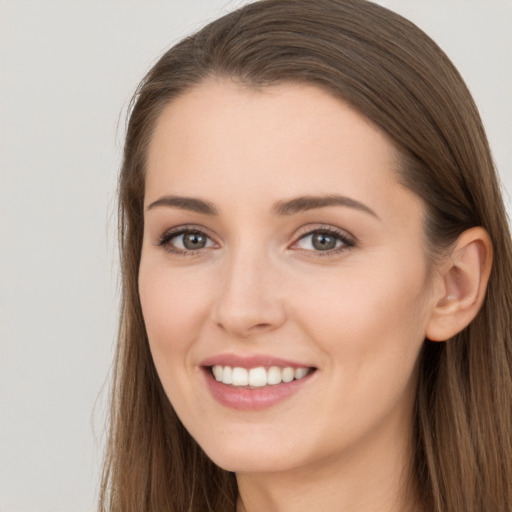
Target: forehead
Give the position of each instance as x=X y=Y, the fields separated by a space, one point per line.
x=232 y=141
x=271 y=117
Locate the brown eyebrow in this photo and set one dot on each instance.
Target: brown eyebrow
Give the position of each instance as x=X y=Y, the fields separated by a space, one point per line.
x=304 y=203
x=289 y=207
x=185 y=203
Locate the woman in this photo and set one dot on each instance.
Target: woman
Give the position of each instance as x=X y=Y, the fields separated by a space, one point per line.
x=316 y=264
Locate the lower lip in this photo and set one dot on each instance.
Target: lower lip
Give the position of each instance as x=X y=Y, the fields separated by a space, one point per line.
x=255 y=399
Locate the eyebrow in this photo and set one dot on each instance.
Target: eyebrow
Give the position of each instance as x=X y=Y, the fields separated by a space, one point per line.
x=281 y=208
x=304 y=203
x=185 y=203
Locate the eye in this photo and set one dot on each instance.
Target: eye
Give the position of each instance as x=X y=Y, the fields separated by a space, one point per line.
x=325 y=240
x=185 y=240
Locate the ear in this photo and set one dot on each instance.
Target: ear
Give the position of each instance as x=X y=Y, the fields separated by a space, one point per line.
x=463 y=279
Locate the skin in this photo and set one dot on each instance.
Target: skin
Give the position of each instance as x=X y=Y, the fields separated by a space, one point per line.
x=357 y=313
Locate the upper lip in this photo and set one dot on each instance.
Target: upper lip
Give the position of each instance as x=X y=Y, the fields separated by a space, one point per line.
x=252 y=361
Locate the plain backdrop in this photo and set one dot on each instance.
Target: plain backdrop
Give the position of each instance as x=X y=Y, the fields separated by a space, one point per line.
x=67 y=71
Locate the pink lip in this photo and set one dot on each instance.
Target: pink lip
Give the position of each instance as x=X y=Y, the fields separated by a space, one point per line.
x=256 y=399
x=250 y=361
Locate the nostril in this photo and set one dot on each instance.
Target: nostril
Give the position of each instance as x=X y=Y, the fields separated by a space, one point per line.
x=248 y=329
x=260 y=326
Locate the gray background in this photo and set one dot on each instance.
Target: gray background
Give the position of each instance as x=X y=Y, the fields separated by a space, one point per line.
x=67 y=71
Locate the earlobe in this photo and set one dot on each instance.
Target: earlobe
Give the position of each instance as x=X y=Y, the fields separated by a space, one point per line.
x=464 y=277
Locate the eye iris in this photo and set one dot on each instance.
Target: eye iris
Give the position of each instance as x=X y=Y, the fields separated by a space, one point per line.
x=194 y=240
x=323 y=241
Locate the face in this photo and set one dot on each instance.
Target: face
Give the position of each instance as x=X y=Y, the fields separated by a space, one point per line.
x=281 y=254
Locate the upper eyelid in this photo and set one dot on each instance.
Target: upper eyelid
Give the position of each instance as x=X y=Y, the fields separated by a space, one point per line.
x=185 y=228
x=307 y=230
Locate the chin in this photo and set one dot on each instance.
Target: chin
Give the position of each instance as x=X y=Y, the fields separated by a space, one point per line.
x=241 y=458
x=252 y=464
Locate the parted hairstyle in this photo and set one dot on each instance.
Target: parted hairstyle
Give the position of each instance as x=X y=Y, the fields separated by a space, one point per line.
x=397 y=77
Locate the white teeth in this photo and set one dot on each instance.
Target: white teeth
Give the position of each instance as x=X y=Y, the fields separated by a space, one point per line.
x=257 y=377
x=301 y=372
x=227 y=375
x=240 y=376
x=274 y=375
x=288 y=374
x=218 y=371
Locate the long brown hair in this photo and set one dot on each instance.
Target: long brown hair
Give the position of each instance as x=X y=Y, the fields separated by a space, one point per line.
x=397 y=77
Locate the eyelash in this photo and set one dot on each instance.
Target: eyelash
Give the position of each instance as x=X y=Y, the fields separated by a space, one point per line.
x=347 y=242
x=165 y=240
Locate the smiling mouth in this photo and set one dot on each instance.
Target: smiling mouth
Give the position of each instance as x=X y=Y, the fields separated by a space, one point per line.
x=252 y=378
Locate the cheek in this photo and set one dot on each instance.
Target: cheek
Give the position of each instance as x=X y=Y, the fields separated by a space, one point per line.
x=372 y=317
x=174 y=308
x=369 y=327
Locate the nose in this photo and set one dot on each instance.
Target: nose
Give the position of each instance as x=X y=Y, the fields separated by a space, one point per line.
x=249 y=301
